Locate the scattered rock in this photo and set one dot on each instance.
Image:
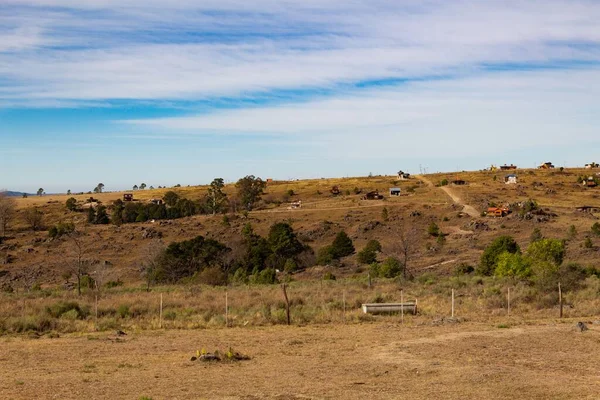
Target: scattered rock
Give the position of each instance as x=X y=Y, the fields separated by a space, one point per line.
x=582 y=326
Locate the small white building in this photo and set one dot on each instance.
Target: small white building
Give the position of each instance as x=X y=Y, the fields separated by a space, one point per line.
x=511 y=179
x=395 y=191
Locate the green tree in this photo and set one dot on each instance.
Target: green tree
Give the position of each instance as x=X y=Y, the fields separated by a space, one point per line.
x=71 y=204
x=512 y=265
x=117 y=212
x=91 y=215
x=368 y=255
x=489 y=258
x=342 y=245
x=283 y=241
x=546 y=257
x=69 y=192
x=215 y=197
x=170 y=198
x=547 y=250
x=142 y=186
x=325 y=255
x=390 y=268
x=101 y=216
x=135 y=187
x=250 y=190
x=40 y=191
x=99 y=188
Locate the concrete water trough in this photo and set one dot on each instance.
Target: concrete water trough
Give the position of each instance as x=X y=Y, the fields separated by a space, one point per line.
x=409 y=307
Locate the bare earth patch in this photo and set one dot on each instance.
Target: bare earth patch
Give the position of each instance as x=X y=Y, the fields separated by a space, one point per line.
x=359 y=361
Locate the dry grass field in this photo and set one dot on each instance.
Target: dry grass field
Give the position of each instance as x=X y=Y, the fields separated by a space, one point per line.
x=55 y=344
x=383 y=360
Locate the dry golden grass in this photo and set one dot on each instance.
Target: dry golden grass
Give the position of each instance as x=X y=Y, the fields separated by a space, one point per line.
x=382 y=360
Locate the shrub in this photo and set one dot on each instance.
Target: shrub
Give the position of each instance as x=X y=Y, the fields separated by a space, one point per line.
x=536 y=235
x=328 y=276
x=433 y=229
x=489 y=258
x=390 y=268
x=368 y=255
x=512 y=265
x=60 y=229
x=464 y=269
x=596 y=229
x=588 y=243
x=325 y=255
x=71 y=204
x=59 y=309
x=342 y=245
x=444 y=182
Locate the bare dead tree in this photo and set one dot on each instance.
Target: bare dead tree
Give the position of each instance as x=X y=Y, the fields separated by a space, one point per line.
x=7 y=212
x=150 y=261
x=407 y=240
x=76 y=258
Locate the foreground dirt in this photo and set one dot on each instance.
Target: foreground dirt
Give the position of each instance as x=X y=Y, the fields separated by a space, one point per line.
x=362 y=361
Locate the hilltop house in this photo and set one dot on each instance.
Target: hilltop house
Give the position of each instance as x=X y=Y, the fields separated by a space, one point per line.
x=507 y=167
x=395 y=191
x=546 y=165
x=374 y=195
x=511 y=179
x=590 y=182
x=403 y=175
x=591 y=165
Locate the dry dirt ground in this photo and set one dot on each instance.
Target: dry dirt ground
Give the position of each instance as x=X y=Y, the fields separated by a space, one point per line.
x=382 y=360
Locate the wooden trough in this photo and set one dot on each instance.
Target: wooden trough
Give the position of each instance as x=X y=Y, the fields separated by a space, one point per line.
x=409 y=307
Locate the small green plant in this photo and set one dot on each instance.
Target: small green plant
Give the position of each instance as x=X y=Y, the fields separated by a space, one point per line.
x=290 y=192
x=596 y=229
x=444 y=182
x=433 y=230
x=588 y=243
x=384 y=214
x=328 y=276
x=572 y=232
x=225 y=220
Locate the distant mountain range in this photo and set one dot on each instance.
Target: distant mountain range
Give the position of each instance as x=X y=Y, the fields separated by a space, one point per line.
x=14 y=194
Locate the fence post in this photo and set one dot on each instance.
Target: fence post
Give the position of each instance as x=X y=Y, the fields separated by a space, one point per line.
x=96 y=311
x=508 y=301
x=344 y=303
x=560 y=303
x=402 y=306
x=287 y=303
x=226 y=309
x=452 y=303
x=160 y=312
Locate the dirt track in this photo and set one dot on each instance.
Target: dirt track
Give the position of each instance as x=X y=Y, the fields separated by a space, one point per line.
x=455 y=198
x=382 y=360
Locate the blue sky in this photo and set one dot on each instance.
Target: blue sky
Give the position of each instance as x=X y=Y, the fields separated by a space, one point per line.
x=131 y=91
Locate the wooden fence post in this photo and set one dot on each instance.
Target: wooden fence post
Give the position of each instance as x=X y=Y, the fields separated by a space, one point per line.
x=287 y=302
x=402 y=307
x=344 y=303
x=560 y=302
x=452 y=303
x=160 y=312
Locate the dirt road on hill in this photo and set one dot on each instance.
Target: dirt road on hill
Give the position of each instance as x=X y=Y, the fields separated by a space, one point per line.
x=455 y=198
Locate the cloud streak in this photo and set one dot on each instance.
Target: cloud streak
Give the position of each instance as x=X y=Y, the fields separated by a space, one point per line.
x=134 y=50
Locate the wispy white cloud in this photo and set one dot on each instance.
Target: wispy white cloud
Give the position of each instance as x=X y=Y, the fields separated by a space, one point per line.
x=151 y=50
